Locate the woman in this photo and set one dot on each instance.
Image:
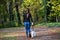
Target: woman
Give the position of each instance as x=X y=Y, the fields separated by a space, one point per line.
x=27 y=18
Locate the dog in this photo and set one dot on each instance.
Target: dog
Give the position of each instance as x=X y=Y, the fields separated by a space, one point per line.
x=33 y=33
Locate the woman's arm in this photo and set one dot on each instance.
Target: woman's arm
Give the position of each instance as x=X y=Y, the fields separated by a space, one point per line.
x=31 y=18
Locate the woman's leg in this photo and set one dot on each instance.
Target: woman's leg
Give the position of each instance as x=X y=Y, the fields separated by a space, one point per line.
x=26 y=27
x=29 y=29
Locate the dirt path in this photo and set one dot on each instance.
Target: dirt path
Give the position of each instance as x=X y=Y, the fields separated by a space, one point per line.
x=42 y=33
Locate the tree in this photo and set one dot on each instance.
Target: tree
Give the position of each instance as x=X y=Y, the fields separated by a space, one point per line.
x=55 y=9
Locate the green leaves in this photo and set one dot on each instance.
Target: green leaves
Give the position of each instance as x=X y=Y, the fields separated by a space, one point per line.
x=54 y=8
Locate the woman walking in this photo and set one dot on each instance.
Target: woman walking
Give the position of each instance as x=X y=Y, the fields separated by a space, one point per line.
x=27 y=18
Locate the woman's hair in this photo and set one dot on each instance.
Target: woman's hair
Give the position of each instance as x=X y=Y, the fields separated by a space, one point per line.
x=28 y=10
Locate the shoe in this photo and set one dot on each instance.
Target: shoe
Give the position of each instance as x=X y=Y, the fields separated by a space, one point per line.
x=29 y=35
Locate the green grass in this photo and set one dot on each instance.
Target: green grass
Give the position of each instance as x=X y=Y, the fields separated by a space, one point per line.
x=49 y=24
x=53 y=24
x=9 y=38
x=3 y=33
x=41 y=24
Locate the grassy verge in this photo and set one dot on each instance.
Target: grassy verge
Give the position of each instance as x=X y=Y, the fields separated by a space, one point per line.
x=49 y=24
x=9 y=38
x=41 y=24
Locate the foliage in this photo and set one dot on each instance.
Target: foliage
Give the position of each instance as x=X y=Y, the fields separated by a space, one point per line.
x=54 y=8
x=41 y=10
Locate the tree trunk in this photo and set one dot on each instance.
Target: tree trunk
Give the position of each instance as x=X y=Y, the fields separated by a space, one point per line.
x=17 y=10
x=59 y=19
x=56 y=18
x=10 y=10
x=45 y=10
x=36 y=16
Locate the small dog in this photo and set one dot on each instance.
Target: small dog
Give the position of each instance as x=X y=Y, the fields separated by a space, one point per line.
x=33 y=33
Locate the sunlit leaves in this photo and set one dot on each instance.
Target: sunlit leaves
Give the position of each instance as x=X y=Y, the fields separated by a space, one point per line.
x=55 y=8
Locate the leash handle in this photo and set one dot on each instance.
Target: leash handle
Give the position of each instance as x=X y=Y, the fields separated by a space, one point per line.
x=32 y=27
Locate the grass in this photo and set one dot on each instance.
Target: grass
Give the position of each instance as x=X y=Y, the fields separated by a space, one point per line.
x=49 y=24
x=42 y=24
x=9 y=38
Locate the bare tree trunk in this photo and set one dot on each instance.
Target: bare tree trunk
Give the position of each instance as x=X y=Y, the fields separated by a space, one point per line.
x=8 y=9
x=17 y=10
x=59 y=19
x=56 y=18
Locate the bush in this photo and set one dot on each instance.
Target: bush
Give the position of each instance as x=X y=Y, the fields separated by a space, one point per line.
x=10 y=24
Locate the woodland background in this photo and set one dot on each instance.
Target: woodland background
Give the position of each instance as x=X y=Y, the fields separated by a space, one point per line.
x=44 y=12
